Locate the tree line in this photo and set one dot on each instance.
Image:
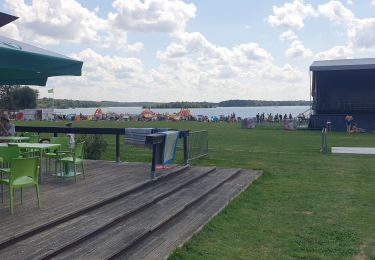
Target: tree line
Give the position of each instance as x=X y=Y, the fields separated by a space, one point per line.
x=183 y=104
x=69 y=103
x=17 y=97
x=259 y=103
x=22 y=97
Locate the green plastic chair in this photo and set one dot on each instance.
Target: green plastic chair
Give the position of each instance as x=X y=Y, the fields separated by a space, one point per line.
x=23 y=174
x=7 y=153
x=74 y=158
x=33 y=139
x=56 y=154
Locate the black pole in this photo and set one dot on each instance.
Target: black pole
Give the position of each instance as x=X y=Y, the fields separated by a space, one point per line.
x=153 y=164
x=118 y=148
x=186 y=149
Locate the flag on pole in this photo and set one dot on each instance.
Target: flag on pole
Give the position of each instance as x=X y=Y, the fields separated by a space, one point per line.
x=50 y=90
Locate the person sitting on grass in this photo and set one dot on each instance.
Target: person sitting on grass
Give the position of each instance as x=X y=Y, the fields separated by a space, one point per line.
x=356 y=129
x=349 y=121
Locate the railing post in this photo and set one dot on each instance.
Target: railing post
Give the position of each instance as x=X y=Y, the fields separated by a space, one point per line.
x=186 y=148
x=118 y=148
x=324 y=140
x=153 y=163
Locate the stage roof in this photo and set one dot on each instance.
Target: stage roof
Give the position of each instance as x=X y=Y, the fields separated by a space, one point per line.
x=347 y=64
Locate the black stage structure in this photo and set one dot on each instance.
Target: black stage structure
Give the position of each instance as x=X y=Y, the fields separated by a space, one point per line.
x=341 y=87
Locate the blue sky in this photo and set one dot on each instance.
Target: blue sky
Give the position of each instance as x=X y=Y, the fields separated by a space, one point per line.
x=211 y=50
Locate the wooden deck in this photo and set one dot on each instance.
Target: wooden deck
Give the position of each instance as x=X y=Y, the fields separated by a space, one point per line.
x=117 y=212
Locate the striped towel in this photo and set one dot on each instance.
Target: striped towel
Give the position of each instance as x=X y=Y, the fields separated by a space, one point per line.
x=137 y=136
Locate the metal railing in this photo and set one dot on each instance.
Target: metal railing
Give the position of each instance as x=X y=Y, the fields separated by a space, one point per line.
x=77 y=130
x=197 y=144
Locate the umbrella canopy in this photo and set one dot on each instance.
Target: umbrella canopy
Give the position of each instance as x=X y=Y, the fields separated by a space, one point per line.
x=24 y=64
x=6 y=18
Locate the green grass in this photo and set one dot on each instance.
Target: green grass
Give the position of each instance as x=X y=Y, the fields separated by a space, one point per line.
x=305 y=206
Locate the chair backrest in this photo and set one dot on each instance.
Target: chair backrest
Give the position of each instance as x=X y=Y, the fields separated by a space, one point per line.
x=24 y=167
x=9 y=152
x=63 y=141
x=78 y=150
x=33 y=139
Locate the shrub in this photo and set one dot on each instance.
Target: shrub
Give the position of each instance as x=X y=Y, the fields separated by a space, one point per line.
x=95 y=146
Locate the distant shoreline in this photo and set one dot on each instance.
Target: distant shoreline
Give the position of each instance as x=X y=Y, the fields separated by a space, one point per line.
x=66 y=103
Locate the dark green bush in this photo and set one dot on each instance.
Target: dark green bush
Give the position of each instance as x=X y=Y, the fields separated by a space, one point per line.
x=95 y=146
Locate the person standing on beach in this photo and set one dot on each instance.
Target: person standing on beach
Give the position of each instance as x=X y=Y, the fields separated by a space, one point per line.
x=348 y=120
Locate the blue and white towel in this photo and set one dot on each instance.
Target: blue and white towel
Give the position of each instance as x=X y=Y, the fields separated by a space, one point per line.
x=170 y=145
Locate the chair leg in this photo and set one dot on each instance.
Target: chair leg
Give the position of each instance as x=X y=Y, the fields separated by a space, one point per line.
x=2 y=193
x=56 y=168
x=83 y=170
x=75 y=173
x=37 y=194
x=46 y=165
x=2 y=189
x=11 y=195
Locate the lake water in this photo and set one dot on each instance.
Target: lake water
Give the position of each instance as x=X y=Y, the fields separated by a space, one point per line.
x=217 y=111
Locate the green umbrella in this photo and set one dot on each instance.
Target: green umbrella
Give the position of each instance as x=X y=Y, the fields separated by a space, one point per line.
x=24 y=64
x=6 y=18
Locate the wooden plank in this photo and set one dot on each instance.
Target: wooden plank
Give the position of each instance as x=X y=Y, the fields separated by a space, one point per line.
x=162 y=242
x=116 y=238
x=122 y=223
x=59 y=201
x=67 y=233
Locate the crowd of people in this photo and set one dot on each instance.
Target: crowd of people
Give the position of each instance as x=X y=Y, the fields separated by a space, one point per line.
x=277 y=118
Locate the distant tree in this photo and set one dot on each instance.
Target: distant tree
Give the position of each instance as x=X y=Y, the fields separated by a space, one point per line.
x=5 y=96
x=24 y=97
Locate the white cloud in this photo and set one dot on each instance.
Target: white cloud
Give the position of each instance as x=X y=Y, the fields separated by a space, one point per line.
x=190 y=64
x=152 y=15
x=297 y=50
x=104 y=77
x=246 y=61
x=11 y=31
x=285 y=73
x=360 y=32
x=53 y=21
x=336 y=12
x=291 y=15
x=288 y=36
x=337 y=52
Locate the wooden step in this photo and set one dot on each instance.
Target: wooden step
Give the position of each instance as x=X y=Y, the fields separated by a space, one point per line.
x=59 y=237
x=61 y=211
x=161 y=243
x=131 y=231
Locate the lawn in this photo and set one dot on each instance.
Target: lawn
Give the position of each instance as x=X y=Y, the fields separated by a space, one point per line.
x=307 y=205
